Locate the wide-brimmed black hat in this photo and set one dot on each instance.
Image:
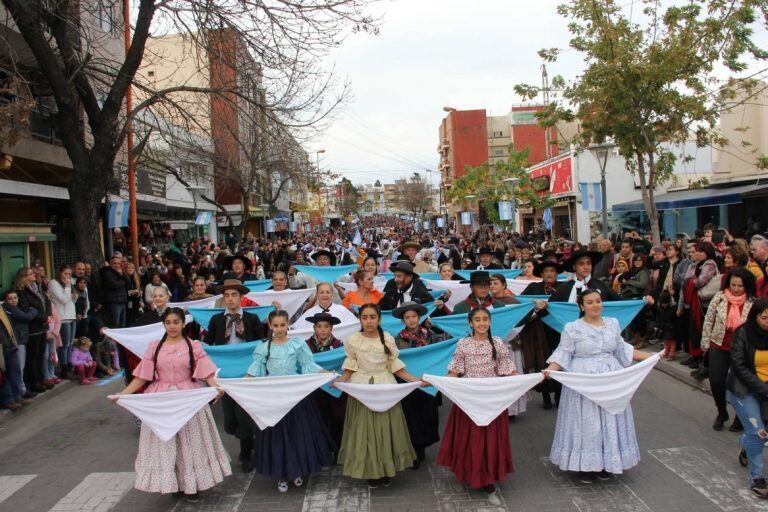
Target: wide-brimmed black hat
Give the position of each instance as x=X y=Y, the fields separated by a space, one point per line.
x=232 y=284
x=246 y=262
x=325 y=252
x=484 y=250
x=405 y=245
x=323 y=317
x=594 y=256
x=539 y=267
x=409 y=306
x=403 y=266
x=478 y=277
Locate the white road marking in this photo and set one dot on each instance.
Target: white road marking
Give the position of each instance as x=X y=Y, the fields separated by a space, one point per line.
x=705 y=473
x=98 y=492
x=11 y=484
x=453 y=496
x=329 y=491
x=225 y=497
x=601 y=496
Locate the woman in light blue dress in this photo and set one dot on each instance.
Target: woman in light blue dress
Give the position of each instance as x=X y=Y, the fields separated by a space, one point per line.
x=300 y=443
x=589 y=439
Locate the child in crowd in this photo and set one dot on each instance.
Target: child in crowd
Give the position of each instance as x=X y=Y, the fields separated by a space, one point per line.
x=374 y=445
x=479 y=456
x=82 y=362
x=81 y=307
x=105 y=355
x=666 y=320
x=299 y=444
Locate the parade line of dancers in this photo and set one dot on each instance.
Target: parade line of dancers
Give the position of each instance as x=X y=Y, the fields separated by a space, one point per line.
x=323 y=430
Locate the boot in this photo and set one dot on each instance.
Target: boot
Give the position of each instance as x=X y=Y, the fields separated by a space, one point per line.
x=736 y=426
x=721 y=418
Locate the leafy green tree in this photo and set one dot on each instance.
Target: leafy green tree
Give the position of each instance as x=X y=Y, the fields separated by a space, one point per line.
x=648 y=86
x=487 y=184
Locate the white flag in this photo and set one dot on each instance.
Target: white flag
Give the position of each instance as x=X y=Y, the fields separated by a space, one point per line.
x=290 y=300
x=483 y=399
x=166 y=412
x=137 y=339
x=378 y=397
x=268 y=399
x=612 y=390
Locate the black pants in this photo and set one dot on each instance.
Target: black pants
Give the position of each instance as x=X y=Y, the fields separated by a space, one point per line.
x=33 y=367
x=719 y=363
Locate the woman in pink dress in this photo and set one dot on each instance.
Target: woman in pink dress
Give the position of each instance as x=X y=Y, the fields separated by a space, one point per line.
x=195 y=459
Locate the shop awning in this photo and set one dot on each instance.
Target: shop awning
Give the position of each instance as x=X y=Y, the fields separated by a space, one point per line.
x=694 y=198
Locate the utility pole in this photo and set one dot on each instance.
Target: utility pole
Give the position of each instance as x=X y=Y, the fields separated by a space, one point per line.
x=545 y=94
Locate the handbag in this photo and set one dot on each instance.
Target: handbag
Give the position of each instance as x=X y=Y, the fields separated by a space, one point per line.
x=709 y=290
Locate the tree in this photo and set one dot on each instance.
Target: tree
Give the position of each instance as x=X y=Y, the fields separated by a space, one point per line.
x=415 y=195
x=487 y=185
x=349 y=198
x=646 y=87
x=289 y=39
x=377 y=184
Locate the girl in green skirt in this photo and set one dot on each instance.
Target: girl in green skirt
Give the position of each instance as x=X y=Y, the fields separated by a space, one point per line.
x=375 y=445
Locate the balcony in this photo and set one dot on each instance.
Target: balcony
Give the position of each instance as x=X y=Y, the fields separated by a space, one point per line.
x=38 y=126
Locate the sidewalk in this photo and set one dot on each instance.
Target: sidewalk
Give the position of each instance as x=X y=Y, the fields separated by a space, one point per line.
x=678 y=371
x=65 y=385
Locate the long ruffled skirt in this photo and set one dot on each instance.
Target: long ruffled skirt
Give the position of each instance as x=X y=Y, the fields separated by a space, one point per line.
x=297 y=446
x=194 y=460
x=478 y=456
x=374 y=444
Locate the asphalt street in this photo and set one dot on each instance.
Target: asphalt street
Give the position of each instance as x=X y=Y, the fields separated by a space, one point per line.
x=75 y=453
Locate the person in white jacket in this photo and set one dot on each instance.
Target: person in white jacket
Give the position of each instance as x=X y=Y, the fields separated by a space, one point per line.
x=60 y=292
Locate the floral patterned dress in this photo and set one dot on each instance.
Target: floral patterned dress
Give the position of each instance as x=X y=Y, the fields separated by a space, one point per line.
x=195 y=459
x=478 y=456
x=587 y=438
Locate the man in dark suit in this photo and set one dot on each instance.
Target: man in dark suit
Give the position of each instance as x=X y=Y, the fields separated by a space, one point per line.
x=236 y=326
x=405 y=286
x=581 y=264
x=484 y=262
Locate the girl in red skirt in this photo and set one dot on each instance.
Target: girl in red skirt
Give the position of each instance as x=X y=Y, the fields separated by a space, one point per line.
x=479 y=456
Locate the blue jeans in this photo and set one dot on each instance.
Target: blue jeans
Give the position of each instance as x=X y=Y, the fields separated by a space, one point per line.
x=67 y=333
x=48 y=366
x=22 y=357
x=117 y=314
x=11 y=390
x=748 y=410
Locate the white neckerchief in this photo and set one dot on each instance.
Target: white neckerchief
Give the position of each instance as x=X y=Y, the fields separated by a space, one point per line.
x=380 y=397
x=268 y=399
x=166 y=412
x=577 y=286
x=612 y=391
x=483 y=399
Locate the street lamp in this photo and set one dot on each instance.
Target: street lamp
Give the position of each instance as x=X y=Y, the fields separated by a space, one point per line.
x=449 y=109
x=196 y=191
x=264 y=209
x=317 y=162
x=601 y=152
x=512 y=182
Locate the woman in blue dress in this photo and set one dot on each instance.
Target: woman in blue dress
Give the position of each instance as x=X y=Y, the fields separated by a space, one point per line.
x=300 y=443
x=588 y=439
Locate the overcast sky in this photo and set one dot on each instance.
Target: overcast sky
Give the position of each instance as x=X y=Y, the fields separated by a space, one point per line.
x=430 y=54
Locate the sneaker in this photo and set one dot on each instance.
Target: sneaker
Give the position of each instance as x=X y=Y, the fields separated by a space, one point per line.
x=490 y=489
x=298 y=482
x=743 y=460
x=587 y=477
x=192 y=498
x=373 y=483
x=603 y=475
x=759 y=488
x=23 y=401
x=385 y=481
x=282 y=486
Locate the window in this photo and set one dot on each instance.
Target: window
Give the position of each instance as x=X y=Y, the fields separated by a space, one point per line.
x=498 y=134
x=498 y=152
x=150 y=73
x=105 y=15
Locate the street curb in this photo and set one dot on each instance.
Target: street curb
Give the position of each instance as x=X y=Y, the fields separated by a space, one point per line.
x=6 y=415
x=682 y=373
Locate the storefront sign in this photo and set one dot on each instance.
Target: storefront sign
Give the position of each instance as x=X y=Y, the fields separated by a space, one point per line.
x=466 y=218
x=149 y=183
x=506 y=209
x=178 y=225
x=557 y=174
